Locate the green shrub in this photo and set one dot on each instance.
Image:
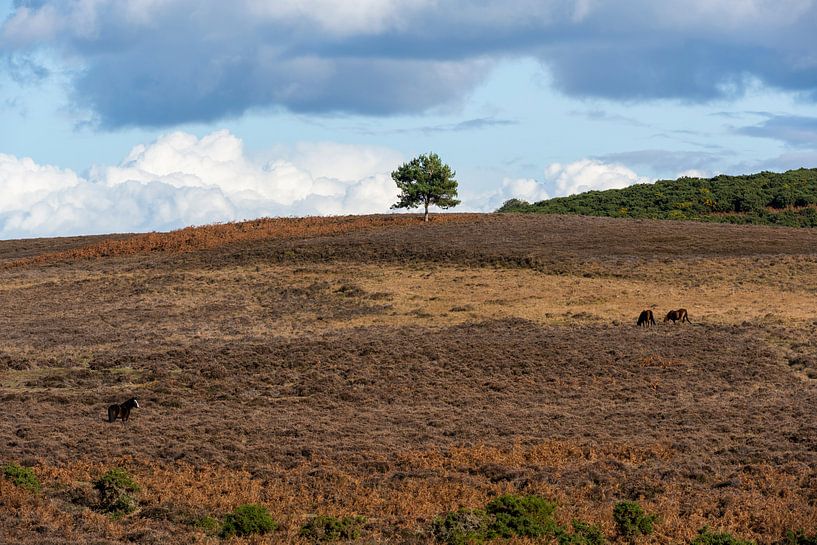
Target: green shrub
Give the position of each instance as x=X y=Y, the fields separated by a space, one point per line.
x=514 y=205
x=329 y=528
x=631 y=520
x=705 y=537
x=463 y=527
x=24 y=477
x=731 y=199
x=583 y=534
x=207 y=524
x=116 y=489
x=248 y=519
x=524 y=516
x=799 y=538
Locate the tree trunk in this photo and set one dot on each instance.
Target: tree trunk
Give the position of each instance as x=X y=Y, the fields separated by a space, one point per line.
x=425 y=217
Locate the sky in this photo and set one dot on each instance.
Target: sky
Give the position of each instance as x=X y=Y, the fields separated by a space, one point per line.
x=140 y=115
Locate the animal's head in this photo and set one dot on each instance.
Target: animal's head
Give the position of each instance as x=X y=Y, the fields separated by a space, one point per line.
x=135 y=403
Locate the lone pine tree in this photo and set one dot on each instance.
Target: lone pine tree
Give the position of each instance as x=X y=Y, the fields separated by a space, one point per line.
x=425 y=180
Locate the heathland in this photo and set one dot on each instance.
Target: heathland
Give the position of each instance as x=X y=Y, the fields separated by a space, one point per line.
x=394 y=370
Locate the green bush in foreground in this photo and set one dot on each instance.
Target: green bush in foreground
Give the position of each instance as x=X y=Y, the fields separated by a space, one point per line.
x=512 y=516
x=504 y=517
x=116 y=489
x=631 y=520
x=246 y=520
x=329 y=528
x=24 y=477
x=583 y=534
x=462 y=527
x=207 y=524
x=705 y=537
x=523 y=516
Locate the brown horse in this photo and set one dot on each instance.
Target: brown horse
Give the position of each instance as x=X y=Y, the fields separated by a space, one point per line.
x=645 y=319
x=122 y=410
x=675 y=315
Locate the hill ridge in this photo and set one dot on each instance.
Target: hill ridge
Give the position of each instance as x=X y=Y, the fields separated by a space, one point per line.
x=764 y=198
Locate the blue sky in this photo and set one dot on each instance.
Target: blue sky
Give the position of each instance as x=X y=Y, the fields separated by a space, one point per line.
x=134 y=115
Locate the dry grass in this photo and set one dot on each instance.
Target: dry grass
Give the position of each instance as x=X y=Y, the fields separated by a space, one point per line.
x=191 y=239
x=404 y=370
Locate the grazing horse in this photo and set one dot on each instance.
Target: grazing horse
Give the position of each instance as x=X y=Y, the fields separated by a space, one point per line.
x=122 y=410
x=646 y=318
x=680 y=314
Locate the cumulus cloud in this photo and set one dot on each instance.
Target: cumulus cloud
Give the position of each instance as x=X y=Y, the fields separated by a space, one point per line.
x=181 y=180
x=589 y=175
x=560 y=180
x=526 y=189
x=23 y=182
x=162 y=62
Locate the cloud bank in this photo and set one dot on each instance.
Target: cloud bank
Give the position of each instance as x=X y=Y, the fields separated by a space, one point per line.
x=181 y=180
x=164 y=62
x=559 y=180
x=590 y=175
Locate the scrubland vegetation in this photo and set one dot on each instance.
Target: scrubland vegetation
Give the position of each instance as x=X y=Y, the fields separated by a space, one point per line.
x=766 y=198
x=475 y=379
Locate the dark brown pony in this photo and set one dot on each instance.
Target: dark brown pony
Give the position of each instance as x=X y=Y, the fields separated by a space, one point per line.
x=675 y=315
x=122 y=410
x=645 y=319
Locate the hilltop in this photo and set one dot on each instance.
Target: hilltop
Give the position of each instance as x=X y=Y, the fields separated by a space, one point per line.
x=382 y=367
x=766 y=198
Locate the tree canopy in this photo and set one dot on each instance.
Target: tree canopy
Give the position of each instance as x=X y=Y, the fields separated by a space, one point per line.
x=765 y=198
x=425 y=181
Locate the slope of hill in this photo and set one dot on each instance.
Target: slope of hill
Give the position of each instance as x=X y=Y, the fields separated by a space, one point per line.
x=766 y=198
x=398 y=370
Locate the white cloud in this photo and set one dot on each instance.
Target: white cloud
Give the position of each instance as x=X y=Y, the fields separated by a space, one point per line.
x=588 y=175
x=341 y=161
x=181 y=180
x=23 y=182
x=526 y=189
x=561 y=179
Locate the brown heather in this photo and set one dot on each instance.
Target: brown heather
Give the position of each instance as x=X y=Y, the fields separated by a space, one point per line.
x=191 y=239
x=380 y=367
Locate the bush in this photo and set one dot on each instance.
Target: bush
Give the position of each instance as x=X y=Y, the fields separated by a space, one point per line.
x=799 y=538
x=463 y=527
x=328 y=528
x=24 y=477
x=207 y=524
x=705 y=537
x=514 y=205
x=115 y=490
x=732 y=199
x=583 y=534
x=528 y=516
x=631 y=520
x=248 y=519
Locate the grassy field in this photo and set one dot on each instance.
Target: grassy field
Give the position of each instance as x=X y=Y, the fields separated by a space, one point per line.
x=381 y=367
